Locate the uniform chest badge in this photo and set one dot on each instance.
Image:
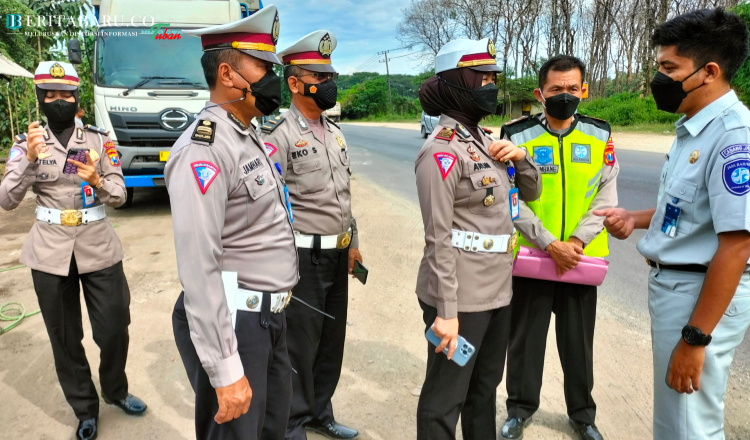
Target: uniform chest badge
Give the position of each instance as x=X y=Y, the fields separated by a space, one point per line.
x=340 y=140
x=475 y=157
x=94 y=155
x=489 y=200
x=300 y=143
x=44 y=153
x=486 y=180
x=694 y=156
x=260 y=180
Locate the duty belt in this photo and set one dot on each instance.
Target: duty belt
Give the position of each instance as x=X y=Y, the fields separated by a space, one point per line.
x=340 y=241
x=699 y=268
x=249 y=300
x=70 y=217
x=476 y=242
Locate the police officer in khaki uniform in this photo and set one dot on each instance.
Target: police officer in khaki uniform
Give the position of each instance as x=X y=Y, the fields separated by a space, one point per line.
x=234 y=241
x=72 y=242
x=469 y=188
x=314 y=158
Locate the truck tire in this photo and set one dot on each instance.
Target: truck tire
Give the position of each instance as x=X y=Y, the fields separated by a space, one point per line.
x=128 y=198
x=424 y=132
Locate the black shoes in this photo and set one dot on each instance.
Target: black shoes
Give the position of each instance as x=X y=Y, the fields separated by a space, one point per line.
x=586 y=431
x=87 y=429
x=513 y=427
x=333 y=430
x=130 y=404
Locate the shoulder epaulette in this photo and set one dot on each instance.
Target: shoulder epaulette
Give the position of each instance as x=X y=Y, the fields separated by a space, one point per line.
x=96 y=129
x=486 y=130
x=333 y=123
x=205 y=131
x=518 y=125
x=462 y=131
x=517 y=120
x=19 y=138
x=272 y=123
x=601 y=123
x=446 y=134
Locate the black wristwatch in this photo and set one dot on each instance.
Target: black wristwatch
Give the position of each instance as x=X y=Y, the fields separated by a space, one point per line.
x=694 y=336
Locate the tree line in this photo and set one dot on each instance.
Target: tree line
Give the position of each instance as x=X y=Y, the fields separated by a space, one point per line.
x=612 y=37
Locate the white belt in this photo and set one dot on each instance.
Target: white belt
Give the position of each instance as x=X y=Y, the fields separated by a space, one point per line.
x=340 y=241
x=249 y=300
x=70 y=217
x=476 y=242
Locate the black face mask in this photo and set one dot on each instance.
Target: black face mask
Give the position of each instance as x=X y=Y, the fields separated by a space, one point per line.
x=59 y=113
x=267 y=92
x=561 y=106
x=668 y=93
x=325 y=93
x=483 y=98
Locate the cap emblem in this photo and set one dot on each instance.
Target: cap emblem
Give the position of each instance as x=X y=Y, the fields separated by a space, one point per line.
x=57 y=71
x=276 y=29
x=325 y=48
x=491 y=49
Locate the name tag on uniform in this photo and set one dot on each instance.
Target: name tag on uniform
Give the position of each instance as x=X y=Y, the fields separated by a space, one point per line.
x=88 y=195
x=671 y=217
x=513 y=203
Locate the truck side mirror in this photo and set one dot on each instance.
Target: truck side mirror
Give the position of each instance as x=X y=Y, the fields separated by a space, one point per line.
x=74 y=51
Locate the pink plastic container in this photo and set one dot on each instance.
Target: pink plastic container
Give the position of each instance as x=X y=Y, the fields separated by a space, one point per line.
x=537 y=264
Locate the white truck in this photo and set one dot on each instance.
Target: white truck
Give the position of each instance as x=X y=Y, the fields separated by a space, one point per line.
x=148 y=80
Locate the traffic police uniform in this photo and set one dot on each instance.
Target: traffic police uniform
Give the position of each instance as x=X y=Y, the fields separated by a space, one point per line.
x=314 y=158
x=72 y=242
x=465 y=272
x=235 y=255
x=706 y=177
x=579 y=172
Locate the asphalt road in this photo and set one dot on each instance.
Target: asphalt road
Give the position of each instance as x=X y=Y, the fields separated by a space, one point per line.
x=386 y=156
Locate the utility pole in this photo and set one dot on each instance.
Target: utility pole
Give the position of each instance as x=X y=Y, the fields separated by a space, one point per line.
x=388 y=79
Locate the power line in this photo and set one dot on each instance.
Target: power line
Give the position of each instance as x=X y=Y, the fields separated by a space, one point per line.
x=367 y=61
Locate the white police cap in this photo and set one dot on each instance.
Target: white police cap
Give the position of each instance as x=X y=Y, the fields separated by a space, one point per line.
x=474 y=54
x=56 y=75
x=255 y=35
x=311 y=52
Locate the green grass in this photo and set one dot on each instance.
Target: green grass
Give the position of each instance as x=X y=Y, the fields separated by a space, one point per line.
x=386 y=118
x=655 y=128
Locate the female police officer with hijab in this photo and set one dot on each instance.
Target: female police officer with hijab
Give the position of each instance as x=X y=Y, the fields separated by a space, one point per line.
x=72 y=243
x=469 y=187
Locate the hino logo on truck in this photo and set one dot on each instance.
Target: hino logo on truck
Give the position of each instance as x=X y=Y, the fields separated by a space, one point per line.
x=173 y=119
x=123 y=109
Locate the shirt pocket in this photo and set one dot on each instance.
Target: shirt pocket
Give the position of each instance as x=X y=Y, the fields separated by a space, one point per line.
x=47 y=175
x=681 y=194
x=482 y=183
x=344 y=156
x=263 y=205
x=309 y=176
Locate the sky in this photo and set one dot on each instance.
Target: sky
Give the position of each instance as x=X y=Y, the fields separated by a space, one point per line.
x=362 y=28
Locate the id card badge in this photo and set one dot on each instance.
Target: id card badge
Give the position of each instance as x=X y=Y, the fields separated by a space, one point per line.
x=88 y=195
x=671 y=217
x=513 y=203
x=288 y=204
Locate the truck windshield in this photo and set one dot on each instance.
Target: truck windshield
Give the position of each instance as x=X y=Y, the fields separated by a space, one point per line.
x=126 y=57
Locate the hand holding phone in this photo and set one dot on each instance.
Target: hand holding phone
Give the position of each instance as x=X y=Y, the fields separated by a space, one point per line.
x=360 y=272
x=77 y=154
x=464 y=349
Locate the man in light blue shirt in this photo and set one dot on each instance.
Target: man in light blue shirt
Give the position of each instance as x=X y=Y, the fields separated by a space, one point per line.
x=698 y=239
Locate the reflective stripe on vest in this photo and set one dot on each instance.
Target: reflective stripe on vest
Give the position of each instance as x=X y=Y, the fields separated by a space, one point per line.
x=571 y=171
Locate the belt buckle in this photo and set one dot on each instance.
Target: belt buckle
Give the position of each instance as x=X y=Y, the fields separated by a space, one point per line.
x=71 y=217
x=343 y=240
x=288 y=299
x=512 y=243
